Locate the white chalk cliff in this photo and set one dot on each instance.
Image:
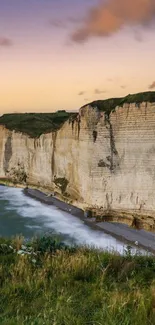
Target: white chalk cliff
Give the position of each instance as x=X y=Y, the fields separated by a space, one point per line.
x=105 y=163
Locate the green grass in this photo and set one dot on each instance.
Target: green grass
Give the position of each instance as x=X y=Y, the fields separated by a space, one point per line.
x=74 y=286
x=109 y=105
x=35 y=124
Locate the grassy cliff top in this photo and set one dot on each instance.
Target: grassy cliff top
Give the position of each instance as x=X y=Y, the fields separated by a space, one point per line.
x=109 y=105
x=46 y=282
x=35 y=124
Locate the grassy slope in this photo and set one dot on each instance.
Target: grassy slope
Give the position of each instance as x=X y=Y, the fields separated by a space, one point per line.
x=35 y=124
x=75 y=287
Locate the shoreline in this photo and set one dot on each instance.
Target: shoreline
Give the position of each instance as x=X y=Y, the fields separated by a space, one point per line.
x=52 y=200
x=138 y=238
x=122 y=232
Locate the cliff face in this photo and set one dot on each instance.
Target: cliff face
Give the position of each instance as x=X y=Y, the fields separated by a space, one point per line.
x=104 y=162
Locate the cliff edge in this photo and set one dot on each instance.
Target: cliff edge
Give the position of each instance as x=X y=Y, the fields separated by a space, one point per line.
x=102 y=158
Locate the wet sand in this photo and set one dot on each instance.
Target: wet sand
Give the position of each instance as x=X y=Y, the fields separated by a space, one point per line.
x=140 y=238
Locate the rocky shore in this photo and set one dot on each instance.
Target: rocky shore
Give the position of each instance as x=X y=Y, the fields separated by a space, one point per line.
x=135 y=237
x=52 y=200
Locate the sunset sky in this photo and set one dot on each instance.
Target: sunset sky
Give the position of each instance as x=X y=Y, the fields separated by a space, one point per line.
x=61 y=54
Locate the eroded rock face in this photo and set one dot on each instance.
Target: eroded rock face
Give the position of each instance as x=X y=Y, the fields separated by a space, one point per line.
x=7 y=152
x=105 y=162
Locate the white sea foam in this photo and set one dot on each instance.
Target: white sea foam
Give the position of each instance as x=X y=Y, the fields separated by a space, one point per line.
x=51 y=218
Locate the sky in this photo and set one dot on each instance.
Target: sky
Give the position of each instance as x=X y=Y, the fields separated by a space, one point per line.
x=62 y=54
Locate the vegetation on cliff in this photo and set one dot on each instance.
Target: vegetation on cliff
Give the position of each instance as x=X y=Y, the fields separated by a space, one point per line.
x=35 y=124
x=46 y=282
x=110 y=104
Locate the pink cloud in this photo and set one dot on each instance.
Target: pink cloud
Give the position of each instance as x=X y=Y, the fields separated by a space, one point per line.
x=110 y=16
x=5 y=42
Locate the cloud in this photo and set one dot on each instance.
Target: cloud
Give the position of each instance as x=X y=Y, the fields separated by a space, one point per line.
x=57 y=23
x=74 y=20
x=108 y=17
x=98 y=92
x=81 y=93
x=152 y=86
x=138 y=36
x=64 y=23
x=5 y=42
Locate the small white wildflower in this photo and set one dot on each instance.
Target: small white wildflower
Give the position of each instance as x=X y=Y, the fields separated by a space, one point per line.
x=23 y=247
x=33 y=260
x=4 y=245
x=20 y=252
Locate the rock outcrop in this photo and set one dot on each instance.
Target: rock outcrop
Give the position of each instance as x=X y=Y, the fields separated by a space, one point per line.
x=104 y=160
